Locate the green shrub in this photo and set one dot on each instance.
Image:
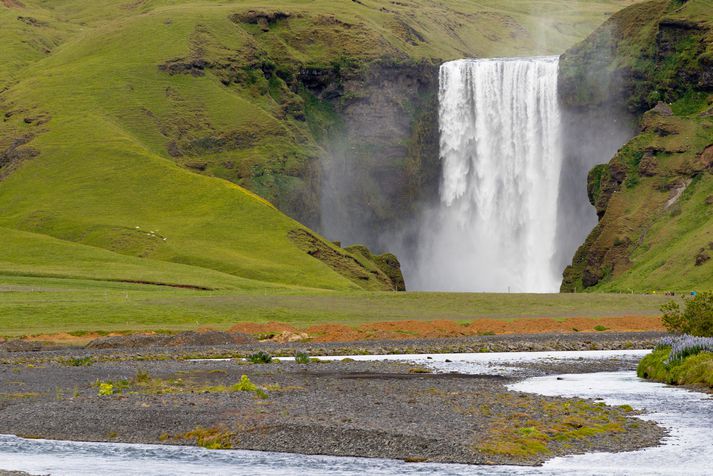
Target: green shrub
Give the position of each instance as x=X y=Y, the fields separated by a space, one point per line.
x=695 y=319
x=600 y=328
x=260 y=358
x=245 y=385
x=302 y=358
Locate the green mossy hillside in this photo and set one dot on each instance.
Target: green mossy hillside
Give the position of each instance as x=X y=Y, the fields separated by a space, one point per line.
x=654 y=199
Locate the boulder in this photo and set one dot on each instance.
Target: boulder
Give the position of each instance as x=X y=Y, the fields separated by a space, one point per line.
x=662 y=109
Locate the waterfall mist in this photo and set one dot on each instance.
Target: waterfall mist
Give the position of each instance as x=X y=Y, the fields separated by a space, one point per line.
x=501 y=150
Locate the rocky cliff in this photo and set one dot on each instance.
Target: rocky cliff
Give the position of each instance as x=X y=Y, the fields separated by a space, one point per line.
x=654 y=198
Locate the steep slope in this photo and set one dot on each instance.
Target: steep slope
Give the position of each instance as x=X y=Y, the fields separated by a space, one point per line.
x=130 y=129
x=654 y=199
x=79 y=163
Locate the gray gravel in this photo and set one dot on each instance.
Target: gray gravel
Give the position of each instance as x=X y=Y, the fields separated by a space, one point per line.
x=372 y=409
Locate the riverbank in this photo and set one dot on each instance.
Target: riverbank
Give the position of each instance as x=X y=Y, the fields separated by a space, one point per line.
x=374 y=409
x=695 y=371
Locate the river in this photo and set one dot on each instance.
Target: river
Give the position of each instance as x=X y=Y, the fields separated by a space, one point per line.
x=686 y=414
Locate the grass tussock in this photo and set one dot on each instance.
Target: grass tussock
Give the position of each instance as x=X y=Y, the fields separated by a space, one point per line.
x=535 y=428
x=213 y=438
x=146 y=384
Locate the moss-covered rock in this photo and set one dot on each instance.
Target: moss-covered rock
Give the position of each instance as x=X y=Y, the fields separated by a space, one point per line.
x=363 y=270
x=388 y=263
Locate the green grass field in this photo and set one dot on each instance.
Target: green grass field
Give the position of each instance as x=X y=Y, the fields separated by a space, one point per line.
x=91 y=192
x=30 y=306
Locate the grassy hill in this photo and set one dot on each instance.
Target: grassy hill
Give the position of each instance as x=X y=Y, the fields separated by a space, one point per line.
x=130 y=129
x=655 y=197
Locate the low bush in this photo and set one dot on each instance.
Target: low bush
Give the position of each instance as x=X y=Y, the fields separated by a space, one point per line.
x=260 y=358
x=111 y=387
x=695 y=319
x=302 y=358
x=106 y=389
x=245 y=385
x=680 y=361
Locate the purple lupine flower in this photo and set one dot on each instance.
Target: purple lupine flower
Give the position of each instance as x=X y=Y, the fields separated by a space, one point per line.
x=685 y=345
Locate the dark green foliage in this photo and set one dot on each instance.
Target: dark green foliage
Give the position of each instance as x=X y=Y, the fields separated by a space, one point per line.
x=696 y=319
x=302 y=358
x=260 y=358
x=595 y=180
x=690 y=103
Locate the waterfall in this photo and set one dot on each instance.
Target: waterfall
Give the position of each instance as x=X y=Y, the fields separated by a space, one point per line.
x=494 y=228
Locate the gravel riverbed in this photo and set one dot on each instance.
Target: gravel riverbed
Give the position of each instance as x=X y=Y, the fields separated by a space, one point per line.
x=373 y=409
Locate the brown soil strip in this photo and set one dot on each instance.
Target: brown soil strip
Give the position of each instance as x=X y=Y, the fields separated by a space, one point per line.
x=400 y=330
x=409 y=330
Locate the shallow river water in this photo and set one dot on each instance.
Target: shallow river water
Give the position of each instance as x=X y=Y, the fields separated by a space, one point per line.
x=686 y=451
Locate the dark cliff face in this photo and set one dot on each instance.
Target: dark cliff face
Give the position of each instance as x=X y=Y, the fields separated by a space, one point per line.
x=381 y=163
x=652 y=60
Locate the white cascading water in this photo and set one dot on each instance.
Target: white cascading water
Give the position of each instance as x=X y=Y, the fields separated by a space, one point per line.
x=495 y=227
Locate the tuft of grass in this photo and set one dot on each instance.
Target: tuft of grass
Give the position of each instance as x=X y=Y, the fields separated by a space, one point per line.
x=245 y=385
x=106 y=389
x=302 y=358
x=78 y=361
x=600 y=328
x=142 y=376
x=419 y=370
x=19 y=395
x=214 y=438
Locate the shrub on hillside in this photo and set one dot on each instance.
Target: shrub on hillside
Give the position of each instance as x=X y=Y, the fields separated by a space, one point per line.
x=695 y=319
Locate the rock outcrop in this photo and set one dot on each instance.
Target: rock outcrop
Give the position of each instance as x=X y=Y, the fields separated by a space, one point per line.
x=654 y=57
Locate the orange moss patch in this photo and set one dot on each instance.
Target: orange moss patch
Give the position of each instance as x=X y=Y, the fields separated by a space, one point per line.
x=334 y=333
x=395 y=330
x=399 y=330
x=263 y=328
